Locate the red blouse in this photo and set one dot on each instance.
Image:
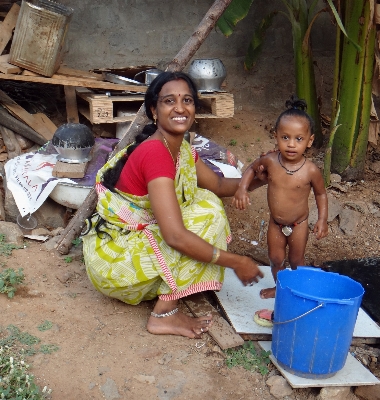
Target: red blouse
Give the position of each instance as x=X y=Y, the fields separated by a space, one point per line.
x=150 y=160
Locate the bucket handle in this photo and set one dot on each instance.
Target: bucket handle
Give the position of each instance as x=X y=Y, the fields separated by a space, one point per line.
x=318 y=299
x=303 y=315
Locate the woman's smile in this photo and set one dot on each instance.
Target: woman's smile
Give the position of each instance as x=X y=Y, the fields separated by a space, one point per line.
x=175 y=107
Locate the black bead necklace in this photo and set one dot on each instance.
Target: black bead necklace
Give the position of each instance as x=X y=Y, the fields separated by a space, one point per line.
x=288 y=171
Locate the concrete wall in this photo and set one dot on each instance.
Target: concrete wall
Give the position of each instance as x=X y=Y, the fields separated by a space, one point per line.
x=120 y=33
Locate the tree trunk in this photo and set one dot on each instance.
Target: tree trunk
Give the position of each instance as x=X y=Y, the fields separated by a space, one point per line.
x=76 y=224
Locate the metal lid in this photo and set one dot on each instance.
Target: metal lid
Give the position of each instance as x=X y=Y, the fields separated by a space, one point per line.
x=73 y=136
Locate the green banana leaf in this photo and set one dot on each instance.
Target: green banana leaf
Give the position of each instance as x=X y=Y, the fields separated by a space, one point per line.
x=256 y=43
x=340 y=24
x=328 y=151
x=235 y=12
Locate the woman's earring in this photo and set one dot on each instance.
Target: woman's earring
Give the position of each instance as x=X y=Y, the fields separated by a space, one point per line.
x=154 y=119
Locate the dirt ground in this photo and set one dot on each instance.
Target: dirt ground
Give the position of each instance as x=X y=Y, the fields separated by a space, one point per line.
x=104 y=350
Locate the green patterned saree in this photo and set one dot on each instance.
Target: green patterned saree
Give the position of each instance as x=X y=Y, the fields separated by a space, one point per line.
x=129 y=260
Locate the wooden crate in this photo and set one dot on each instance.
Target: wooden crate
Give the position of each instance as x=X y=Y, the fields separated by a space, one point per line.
x=100 y=108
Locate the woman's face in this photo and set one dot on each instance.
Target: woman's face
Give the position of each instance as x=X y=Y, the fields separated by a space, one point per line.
x=175 y=110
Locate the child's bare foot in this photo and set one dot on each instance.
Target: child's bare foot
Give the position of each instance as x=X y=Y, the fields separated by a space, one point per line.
x=268 y=293
x=179 y=324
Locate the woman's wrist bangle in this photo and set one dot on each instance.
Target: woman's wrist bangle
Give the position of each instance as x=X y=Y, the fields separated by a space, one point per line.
x=215 y=255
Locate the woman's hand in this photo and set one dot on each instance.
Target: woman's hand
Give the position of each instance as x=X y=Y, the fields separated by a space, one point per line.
x=248 y=271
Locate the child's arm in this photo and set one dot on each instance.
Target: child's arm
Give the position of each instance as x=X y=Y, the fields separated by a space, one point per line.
x=320 y=228
x=241 y=197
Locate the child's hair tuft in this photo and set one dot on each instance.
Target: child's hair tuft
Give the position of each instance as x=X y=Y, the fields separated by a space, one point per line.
x=295 y=102
x=296 y=107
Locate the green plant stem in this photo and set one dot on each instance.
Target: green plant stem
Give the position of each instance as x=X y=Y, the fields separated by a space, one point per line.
x=358 y=156
x=338 y=52
x=304 y=67
x=350 y=86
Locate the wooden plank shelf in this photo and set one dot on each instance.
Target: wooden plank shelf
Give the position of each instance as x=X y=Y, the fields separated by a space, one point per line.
x=100 y=108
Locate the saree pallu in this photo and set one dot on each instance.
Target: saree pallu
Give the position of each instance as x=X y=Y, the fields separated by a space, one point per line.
x=129 y=259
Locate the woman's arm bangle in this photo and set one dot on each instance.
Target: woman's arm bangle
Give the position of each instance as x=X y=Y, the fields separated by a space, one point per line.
x=215 y=255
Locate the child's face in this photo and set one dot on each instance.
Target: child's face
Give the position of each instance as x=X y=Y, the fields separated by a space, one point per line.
x=293 y=137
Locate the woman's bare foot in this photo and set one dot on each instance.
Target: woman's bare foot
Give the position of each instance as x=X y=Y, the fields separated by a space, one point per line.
x=268 y=293
x=177 y=323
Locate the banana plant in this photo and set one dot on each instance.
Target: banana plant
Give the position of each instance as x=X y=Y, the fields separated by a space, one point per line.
x=353 y=71
x=301 y=17
x=301 y=14
x=353 y=76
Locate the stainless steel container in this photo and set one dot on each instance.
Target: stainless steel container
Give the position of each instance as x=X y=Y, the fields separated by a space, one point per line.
x=150 y=75
x=208 y=74
x=39 y=36
x=73 y=143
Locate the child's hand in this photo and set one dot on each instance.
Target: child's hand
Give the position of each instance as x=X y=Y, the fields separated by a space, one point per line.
x=241 y=199
x=321 y=229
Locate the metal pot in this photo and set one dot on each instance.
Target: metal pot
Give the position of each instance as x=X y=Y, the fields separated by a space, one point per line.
x=208 y=74
x=73 y=143
x=150 y=75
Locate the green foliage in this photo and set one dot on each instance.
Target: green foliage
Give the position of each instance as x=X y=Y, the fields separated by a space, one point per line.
x=68 y=259
x=9 y=279
x=256 y=43
x=237 y=126
x=6 y=248
x=327 y=161
x=249 y=358
x=45 y=326
x=245 y=146
x=16 y=382
x=77 y=241
x=235 y=12
x=233 y=142
x=48 y=348
x=18 y=339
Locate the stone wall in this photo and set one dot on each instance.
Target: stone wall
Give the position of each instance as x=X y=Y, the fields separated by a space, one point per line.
x=120 y=33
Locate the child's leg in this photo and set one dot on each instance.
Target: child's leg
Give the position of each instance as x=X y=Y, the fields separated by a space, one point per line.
x=297 y=244
x=277 y=252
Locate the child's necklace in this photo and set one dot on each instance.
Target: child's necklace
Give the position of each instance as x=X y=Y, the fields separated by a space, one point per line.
x=288 y=171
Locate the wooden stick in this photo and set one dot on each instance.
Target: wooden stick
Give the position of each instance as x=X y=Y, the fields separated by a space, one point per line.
x=26 y=117
x=76 y=223
x=8 y=25
x=71 y=104
x=19 y=127
x=10 y=141
x=72 y=81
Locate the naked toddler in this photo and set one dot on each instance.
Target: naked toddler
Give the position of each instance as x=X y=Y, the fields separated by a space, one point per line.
x=290 y=179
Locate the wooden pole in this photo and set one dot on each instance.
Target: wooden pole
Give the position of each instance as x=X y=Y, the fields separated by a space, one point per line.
x=76 y=224
x=19 y=127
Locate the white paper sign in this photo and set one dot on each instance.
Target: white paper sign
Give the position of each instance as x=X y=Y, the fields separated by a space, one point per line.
x=29 y=178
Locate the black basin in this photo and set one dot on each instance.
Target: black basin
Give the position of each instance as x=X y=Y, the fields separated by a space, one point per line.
x=365 y=271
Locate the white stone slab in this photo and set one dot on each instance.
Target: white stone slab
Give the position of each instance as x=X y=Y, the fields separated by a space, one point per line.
x=352 y=374
x=241 y=302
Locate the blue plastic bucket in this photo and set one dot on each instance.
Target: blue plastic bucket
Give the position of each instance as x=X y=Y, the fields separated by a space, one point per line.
x=314 y=319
